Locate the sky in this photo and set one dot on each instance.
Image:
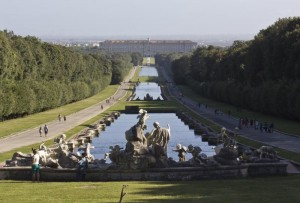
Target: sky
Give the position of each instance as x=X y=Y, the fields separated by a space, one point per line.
x=89 y=18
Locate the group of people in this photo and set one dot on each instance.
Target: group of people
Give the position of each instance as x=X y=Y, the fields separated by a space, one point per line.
x=245 y=122
x=257 y=125
x=60 y=117
x=44 y=129
x=108 y=100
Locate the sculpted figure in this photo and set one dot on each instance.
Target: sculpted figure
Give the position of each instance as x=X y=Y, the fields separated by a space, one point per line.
x=142 y=118
x=159 y=137
x=226 y=139
x=264 y=154
x=136 y=140
x=198 y=157
x=181 y=152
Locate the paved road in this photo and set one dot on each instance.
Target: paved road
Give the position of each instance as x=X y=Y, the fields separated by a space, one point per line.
x=56 y=128
x=276 y=139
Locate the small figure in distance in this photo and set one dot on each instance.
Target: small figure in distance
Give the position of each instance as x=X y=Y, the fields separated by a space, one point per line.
x=35 y=166
x=59 y=117
x=46 y=130
x=82 y=167
x=65 y=118
x=40 y=131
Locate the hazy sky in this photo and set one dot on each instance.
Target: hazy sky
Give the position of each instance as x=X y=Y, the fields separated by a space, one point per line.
x=142 y=17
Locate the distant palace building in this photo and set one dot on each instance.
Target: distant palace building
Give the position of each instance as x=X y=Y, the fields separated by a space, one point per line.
x=148 y=47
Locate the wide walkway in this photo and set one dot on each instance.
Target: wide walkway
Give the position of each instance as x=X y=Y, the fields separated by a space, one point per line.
x=56 y=128
x=276 y=139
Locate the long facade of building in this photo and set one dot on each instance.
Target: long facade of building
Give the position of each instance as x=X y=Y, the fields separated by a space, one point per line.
x=148 y=47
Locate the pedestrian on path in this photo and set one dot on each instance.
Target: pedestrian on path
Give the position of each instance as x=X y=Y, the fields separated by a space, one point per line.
x=65 y=118
x=46 y=130
x=101 y=107
x=59 y=117
x=40 y=131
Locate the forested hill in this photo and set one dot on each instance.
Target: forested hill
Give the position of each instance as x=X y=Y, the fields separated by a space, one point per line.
x=36 y=76
x=262 y=74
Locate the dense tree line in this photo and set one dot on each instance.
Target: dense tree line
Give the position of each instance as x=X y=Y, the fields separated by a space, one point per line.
x=36 y=76
x=121 y=63
x=262 y=74
x=136 y=57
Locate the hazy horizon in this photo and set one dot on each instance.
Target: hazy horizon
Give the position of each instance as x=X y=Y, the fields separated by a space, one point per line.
x=144 y=37
x=142 y=18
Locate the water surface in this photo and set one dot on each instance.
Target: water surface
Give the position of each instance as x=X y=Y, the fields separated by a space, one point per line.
x=144 y=88
x=148 y=71
x=180 y=133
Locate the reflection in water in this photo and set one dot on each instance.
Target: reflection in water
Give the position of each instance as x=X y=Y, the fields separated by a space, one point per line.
x=150 y=88
x=180 y=133
x=148 y=71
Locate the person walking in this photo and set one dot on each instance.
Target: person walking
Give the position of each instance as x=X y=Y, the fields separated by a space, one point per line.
x=46 y=130
x=59 y=117
x=40 y=131
x=65 y=118
x=35 y=167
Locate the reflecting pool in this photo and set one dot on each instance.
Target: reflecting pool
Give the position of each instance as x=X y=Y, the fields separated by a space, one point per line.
x=180 y=134
x=148 y=71
x=144 y=88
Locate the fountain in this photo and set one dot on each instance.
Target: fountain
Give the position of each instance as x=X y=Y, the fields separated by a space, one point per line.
x=145 y=157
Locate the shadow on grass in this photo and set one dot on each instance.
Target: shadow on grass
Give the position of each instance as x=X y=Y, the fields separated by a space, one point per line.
x=86 y=125
x=281 y=189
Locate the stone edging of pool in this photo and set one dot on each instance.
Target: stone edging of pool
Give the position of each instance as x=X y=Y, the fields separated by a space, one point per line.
x=154 y=174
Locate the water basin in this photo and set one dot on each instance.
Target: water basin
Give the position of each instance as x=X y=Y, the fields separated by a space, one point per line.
x=180 y=133
x=144 y=88
x=148 y=71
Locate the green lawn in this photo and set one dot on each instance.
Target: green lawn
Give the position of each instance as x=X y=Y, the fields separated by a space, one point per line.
x=268 y=189
x=152 y=61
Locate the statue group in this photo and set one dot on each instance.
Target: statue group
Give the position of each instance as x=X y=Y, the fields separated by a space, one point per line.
x=150 y=150
x=142 y=150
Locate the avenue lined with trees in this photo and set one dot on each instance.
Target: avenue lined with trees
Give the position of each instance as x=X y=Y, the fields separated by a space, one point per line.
x=262 y=74
x=36 y=76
